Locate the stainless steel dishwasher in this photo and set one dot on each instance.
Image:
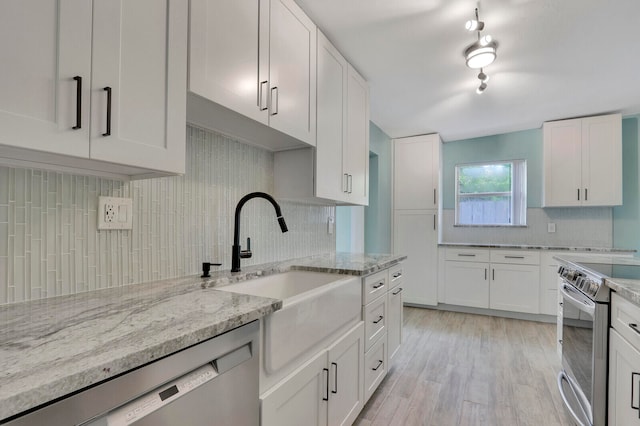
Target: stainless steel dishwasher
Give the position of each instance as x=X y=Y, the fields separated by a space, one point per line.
x=212 y=383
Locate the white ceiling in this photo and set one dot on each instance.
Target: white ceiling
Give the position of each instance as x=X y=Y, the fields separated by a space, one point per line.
x=556 y=59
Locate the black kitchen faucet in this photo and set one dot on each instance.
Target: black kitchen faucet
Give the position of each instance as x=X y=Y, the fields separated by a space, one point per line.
x=237 y=253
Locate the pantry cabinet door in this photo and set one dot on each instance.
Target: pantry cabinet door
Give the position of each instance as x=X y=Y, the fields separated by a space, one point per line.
x=140 y=57
x=227 y=49
x=356 y=149
x=44 y=45
x=292 y=71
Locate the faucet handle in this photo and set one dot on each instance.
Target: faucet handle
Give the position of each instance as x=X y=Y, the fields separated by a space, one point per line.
x=206 y=267
x=246 y=254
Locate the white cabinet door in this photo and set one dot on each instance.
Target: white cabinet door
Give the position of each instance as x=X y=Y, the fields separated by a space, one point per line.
x=292 y=71
x=624 y=382
x=139 y=57
x=562 y=163
x=331 y=122
x=229 y=54
x=515 y=287
x=416 y=171
x=467 y=283
x=346 y=377
x=415 y=235
x=356 y=150
x=394 y=324
x=43 y=46
x=602 y=160
x=301 y=399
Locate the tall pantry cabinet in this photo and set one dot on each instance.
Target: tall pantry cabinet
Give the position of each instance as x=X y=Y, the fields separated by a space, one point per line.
x=415 y=216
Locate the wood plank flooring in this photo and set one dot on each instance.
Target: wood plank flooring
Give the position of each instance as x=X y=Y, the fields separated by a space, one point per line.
x=465 y=369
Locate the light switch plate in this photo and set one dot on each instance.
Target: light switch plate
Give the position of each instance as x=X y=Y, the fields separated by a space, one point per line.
x=115 y=213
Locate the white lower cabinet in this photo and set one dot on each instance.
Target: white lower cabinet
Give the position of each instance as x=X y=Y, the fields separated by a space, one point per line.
x=514 y=287
x=624 y=382
x=467 y=283
x=326 y=390
x=375 y=367
x=394 y=311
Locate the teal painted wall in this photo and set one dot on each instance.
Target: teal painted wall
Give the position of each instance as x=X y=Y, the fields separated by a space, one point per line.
x=526 y=144
x=626 y=218
x=377 y=232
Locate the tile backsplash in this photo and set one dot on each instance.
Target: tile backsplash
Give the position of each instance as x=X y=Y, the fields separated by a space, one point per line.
x=50 y=245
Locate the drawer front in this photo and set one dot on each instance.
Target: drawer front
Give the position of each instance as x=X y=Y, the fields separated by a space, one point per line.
x=467 y=254
x=375 y=319
x=395 y=276
x=521 y=257
x=374 y=286
x=624 y=315
x=375 y=367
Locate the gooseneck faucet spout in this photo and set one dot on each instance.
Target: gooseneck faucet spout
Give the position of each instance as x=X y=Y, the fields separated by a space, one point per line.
x=236 y=252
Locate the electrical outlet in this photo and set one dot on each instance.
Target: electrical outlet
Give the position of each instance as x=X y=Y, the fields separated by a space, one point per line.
x=330 y=225
x=115 y=213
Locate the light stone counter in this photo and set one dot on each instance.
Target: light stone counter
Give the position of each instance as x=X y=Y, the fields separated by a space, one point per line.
x=545 y=248
x=629 y=289
x=52 y=347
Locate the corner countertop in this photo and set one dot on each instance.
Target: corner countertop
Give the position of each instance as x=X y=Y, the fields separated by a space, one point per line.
x=540 y=247
x=53 y=347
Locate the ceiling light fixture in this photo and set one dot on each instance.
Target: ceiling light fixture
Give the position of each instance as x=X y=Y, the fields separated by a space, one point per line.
x=481 y=53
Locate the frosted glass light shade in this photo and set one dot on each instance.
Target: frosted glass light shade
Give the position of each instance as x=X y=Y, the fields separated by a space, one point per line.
x=479 y=56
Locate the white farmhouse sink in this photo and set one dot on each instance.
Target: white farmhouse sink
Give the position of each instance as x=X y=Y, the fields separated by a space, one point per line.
x=315 y=305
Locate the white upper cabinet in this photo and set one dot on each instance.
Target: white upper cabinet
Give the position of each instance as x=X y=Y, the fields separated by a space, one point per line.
x=583 y=162
x=136 y=60
x=44 y=46
x=416 y=171
x=356 y=150
x=95 y=80
x=331 y=121
x=255 y=59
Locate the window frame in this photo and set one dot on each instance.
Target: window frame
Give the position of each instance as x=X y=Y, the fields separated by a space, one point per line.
x=518 y=193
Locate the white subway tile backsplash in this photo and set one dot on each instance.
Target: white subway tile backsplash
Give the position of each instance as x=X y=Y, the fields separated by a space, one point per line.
x=50 y=245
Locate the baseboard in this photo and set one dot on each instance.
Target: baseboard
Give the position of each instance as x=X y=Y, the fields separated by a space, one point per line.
x=489 y=312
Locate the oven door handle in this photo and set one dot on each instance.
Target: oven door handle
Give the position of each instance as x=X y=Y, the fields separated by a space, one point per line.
x=562 y=376
x=578 y=299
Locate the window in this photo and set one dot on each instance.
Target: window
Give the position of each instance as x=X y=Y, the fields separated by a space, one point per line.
x=492 y=194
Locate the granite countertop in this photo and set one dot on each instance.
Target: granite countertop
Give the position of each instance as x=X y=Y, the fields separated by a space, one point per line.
x=538 y=247
x=52 y=347
x=629 y=289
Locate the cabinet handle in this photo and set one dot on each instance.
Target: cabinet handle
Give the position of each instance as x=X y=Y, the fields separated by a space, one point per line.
x=108 y=132
x=466 y=255
x=335 y=378
x=514 y=257
x=434 y=222
x=378 y=366
x=326 y=371
x=380 y=284
x=276 y=101
x=350 y=181
x=397 y=275
x=261 y=96
x=635 y=407
x=634 y=327
x=493 y=274
x=395 y=293
x=485 y=274
x=578 y=194
x=380 y=318
x=434 y=196
x=78 y=125
x=586 y=194
x=345 y=183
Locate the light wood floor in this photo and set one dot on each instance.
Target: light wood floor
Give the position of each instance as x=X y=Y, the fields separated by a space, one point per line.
x=465 y=369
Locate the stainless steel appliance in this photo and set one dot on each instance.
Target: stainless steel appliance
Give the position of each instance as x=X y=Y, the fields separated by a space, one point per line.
x=585 y=329
x=213 y=382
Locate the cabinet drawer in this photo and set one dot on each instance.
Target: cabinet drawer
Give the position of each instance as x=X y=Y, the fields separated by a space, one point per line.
x=375 y=319
x=374 y=286
x=375 y=367
x=467 y=255
x=395 y=276
x=624 y=315
x=521 y=257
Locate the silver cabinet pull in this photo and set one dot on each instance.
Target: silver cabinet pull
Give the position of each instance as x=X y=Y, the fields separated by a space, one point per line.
x=466 y=254
x=350 y=184
x=345 y=185
x=262 y=95
x=380 y=362
x=274 y=104
x=434 y=222
x=485 y=274
x=514 y=257
x=434 y=196
x=395 y=293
